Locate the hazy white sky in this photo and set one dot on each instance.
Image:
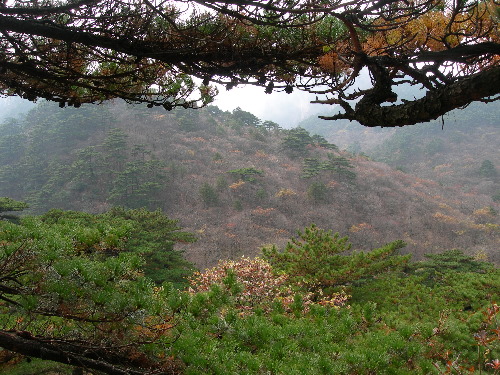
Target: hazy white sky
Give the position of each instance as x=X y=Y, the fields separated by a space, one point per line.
x=285 y=109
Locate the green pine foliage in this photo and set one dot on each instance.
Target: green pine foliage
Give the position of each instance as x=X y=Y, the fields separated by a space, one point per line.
x=138 y=184
x=244 y=118
x=320 y=260
x=271 y=126
x=322 y=142
x=297 y=142
x=312 y=167
x=454 y=260
x=246 y=174
x=148 y=234
x=209 y=195
x=488 y=169
x=69 y=276
x=10 y=205
x=395 y=324
x=340 y=165
x=496 y=197
x=154 y=237
x=317 y=192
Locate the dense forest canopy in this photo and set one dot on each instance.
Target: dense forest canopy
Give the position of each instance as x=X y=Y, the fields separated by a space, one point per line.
x=150 y=52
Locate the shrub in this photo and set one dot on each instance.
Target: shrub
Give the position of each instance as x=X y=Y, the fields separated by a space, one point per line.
x=238 y=206
x=488 y=169
x=254 y=285
x=217 y=157
x=261 y=194
x=296 y=141
x=314 y=260
x=221 y=183
x=209 y=195
x=246 y=174
x=496 y=197
x=317 y=192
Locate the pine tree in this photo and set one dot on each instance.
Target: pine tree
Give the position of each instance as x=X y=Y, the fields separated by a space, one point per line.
x=317 y=259
x=488 y=169
x=10 y=205
x=209 y=195
x=296 y=141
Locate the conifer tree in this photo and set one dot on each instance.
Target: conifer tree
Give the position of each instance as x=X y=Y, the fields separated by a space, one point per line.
x=71 y=293
x=488 y=169
x=88 y=51
x=296 y=141
x=319 y=259
x=10 y=205
x=246 y=174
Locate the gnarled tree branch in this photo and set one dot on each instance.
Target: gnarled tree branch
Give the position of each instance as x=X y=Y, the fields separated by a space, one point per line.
x=109 y=362
x=436 y=103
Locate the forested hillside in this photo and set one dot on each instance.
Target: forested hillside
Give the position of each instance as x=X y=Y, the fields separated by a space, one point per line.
x=238 y=182
x=460 y=150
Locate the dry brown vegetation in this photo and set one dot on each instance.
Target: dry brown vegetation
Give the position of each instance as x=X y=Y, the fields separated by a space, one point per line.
x=449 y=151
x=199 y=148
x=380 y=205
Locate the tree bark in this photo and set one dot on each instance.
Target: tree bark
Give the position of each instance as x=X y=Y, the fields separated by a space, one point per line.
x=24 y=343
x=433 y=105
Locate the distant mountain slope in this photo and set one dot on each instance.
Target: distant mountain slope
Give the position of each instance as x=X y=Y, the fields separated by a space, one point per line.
x=450 y=151
x=14 y=106
x=235 y=181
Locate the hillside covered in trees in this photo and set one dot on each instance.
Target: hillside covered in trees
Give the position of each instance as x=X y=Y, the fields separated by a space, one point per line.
x=238 y=182
x=408 y=285
x=459 y=150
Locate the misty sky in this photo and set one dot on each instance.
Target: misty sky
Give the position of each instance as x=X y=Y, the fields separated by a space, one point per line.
x=285 y=109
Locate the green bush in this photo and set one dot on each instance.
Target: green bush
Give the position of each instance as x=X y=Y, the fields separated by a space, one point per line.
x=246 y=174
x=496 y=197
x=317 y=192
x=488 y=169
x=318 y=260
x=209 y=195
